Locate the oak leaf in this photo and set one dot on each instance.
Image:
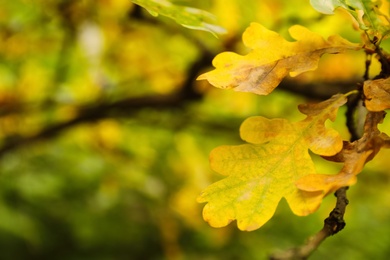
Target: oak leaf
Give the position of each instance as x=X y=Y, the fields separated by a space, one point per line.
x=271 y=59
x=262 y=172
x=354 y=155
x=367 y=13
x=377 y=94
x=327 y=6
x=189 y=17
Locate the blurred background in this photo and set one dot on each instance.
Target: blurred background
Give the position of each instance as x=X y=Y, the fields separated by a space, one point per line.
x=105 y=133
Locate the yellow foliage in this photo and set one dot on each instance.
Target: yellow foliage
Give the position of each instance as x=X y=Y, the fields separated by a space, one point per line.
x=109 y=134
x=272 y=58
x=354 y=156
x=377 y=94
x=264 y=171
x=228 y=13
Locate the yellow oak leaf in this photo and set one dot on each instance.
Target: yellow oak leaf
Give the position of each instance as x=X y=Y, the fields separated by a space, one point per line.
x=354 y=155
x=377 y=94
x=271 y=59
x=354 y=161
x=262 y=172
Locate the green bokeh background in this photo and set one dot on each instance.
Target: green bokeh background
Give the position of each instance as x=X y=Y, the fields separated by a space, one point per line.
x=124 y=186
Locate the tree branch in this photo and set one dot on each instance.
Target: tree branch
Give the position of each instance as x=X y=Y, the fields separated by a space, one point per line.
x=350 y=114
x=127 y=106
x=123 y=107
x=332 y=225
x=318 y=90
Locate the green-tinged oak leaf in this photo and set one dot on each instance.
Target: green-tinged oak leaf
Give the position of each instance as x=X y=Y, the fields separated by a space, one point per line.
x=377 y=94
x=354 y=155
x=189 y=17
x=327 y=6
x=365 y=12
x=263 y=171
x=271 y=59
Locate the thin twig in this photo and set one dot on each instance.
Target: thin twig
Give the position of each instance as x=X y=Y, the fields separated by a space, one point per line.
x=350 y=114
x=332 y=225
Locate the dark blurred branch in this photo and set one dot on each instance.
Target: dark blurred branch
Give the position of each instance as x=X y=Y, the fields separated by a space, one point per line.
x=124 y=107
x=318 y=90
x=90 y=114
x=127 y=106
x=332 y=225
x=350 y=114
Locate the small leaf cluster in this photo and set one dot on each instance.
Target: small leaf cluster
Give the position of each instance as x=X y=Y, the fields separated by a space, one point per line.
x=275 y=162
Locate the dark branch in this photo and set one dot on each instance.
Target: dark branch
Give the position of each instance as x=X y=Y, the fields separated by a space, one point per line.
x=128 y=106
x=351 y=114
x=318 y=90
x=124 y=107
x=93 y=113
x=332 y=225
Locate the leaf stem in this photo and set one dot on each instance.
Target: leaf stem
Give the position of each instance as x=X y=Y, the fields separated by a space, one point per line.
x=332 y=225
x=352 y=92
